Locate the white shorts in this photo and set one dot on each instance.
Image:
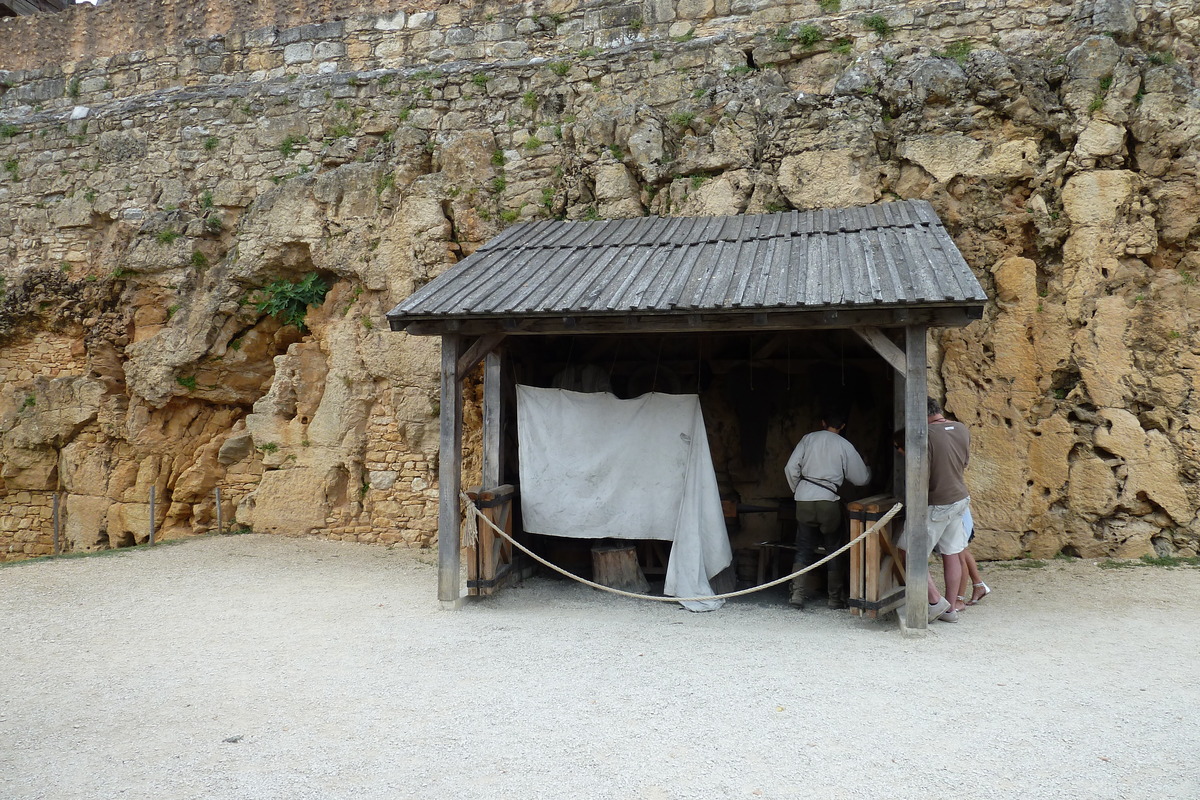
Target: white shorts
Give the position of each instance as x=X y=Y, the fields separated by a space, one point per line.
x=947 y=533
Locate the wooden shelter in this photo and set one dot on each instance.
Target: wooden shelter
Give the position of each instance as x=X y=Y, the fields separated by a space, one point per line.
x=888 y=272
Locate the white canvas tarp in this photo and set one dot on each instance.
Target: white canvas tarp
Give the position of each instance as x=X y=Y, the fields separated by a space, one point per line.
x=595 y=466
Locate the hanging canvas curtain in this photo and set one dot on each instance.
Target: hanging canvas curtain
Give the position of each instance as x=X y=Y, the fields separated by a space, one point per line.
x=595 y=466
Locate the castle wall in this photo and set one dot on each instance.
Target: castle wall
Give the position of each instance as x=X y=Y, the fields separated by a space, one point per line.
x=159 y=175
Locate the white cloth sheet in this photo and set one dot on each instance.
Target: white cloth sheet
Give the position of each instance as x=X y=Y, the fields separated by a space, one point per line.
x=595 y=466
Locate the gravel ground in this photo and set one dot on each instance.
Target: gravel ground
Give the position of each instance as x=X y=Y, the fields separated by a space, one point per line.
x=264 y=667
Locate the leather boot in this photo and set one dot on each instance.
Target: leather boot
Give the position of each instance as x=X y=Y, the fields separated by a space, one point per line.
x=796 y=600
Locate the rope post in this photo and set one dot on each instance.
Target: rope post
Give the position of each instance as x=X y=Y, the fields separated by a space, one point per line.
x=220 y=528
x=151 y=516
x=57 y=549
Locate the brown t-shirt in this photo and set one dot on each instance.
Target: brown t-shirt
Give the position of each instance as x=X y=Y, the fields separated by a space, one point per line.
x=949 y=451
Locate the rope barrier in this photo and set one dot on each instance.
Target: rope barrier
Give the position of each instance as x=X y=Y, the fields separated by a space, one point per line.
x=878 y=524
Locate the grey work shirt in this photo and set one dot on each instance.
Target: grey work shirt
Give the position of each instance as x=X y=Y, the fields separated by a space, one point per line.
x=826 y=457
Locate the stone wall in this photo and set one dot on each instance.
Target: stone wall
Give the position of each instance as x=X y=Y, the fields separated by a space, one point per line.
x=153 y=195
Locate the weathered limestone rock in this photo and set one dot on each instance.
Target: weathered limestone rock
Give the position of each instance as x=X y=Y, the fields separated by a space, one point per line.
x=293 y=501
x=1149 y=458
x=828 y=178
x=85 y=522
x=151 y=196
x=950 y=155
x=617 y=192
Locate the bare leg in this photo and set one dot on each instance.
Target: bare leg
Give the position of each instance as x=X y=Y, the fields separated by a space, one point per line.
x=979 y=589
x=965 y=583
x=952 y=566
x=971 y=568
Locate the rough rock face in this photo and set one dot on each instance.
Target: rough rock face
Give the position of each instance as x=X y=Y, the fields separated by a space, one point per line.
x=152 y=197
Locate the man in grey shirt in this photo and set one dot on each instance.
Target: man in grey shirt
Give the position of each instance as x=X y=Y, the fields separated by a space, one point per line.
x=821 y=462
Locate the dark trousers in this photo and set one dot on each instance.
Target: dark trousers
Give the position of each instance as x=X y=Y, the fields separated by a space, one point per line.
x=819 y=523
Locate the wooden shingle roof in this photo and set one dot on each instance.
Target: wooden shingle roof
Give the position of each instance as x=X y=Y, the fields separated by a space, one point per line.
x=893 y=257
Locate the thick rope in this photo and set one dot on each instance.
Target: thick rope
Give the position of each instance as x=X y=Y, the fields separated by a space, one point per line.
x=665 y=599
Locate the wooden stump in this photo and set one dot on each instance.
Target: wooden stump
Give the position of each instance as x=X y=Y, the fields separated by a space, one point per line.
x=616 y=566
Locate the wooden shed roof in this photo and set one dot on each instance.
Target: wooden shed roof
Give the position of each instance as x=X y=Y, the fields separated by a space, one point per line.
x=885 y=264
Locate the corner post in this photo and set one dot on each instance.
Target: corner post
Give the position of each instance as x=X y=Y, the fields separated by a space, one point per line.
x=916 y=480
x=450 y=472
x=493 y=421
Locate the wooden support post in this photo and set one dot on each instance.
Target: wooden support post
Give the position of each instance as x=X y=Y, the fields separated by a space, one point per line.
x=493 y=421
x=450 y=472
x=916 y=480
x=57 y=546
x=899 y=412
x=217 y=492
x=151 y=516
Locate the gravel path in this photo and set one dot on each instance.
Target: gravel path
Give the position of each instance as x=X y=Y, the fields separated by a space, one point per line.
x=125 y=675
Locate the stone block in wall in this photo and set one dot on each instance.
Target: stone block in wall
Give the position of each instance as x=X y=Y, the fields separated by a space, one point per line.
x=312 y=32
x=121 y=145
x=498 y=31
x=510 y=49
x=40 y=91
x=298 y=53
x=73 y=212
x=391 y=50
x=422 y=20
x=694 y=9
x=327 y=50
x=1108 y=16
x=392 y=22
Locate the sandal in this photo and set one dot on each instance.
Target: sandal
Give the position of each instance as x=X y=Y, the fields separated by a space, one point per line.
x=974 y=601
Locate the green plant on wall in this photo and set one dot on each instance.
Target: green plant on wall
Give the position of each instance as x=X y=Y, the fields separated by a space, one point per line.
x=288 y=302
x=879 y=24
x=289 y=146
x=957 y=50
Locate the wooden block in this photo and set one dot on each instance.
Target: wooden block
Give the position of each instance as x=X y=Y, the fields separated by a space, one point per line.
x=616 y=566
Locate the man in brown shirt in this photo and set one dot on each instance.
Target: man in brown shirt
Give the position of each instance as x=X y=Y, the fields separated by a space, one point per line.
x=949 y=452
x=949 y=499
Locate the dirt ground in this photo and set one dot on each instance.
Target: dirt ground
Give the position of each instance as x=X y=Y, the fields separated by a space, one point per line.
x=264 y=667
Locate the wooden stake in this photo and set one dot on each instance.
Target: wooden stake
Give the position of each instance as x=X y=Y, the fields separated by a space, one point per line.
x=57 y=549
x=151 y=516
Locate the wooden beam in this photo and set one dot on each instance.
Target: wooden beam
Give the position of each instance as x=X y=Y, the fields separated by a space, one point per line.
x=916 y=481
x=884 y=346
x=937 y=316
x=450 y=472
x=478 y=349
x=493 y=421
